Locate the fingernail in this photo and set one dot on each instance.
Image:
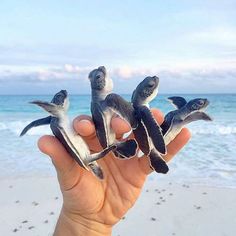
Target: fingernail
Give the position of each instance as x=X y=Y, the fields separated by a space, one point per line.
x=84 y=121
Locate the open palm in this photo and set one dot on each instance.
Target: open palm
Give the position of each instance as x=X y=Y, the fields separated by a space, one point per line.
x=85 y=198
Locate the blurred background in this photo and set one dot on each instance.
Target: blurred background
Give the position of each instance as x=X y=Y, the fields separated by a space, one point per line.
x=191 y=46
x=46 y=46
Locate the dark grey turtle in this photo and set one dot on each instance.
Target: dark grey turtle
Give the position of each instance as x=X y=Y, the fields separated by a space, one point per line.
x=186 y=113
x=146 y=130
x=101 y=86
x=62 y=129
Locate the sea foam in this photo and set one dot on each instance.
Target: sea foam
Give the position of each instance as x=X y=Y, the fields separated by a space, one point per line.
x=16 y=127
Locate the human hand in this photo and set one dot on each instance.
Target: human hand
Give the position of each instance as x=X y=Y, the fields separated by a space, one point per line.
x=90 y=206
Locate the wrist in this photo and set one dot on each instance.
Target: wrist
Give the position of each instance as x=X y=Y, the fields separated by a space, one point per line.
x=80 y=226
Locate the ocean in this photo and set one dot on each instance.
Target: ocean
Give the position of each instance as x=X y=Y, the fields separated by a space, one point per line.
x=208 y=159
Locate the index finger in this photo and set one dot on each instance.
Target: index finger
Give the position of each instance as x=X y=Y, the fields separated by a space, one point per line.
x=85 y=127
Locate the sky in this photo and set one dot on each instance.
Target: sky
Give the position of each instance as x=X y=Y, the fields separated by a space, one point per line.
x=46 y=45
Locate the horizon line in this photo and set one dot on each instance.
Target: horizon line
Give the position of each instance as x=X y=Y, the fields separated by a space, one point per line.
x=89 y=94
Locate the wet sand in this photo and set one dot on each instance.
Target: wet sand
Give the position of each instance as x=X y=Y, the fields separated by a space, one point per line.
x=30 y=206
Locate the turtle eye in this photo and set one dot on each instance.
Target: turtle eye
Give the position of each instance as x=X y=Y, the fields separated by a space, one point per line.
x=150 y=85
x=98 y=76
x=201 y=102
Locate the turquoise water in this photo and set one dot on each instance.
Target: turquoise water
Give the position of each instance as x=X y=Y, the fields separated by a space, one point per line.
x=209 y=158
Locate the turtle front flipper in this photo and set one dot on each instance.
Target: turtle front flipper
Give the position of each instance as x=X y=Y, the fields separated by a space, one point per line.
x=141 y=136
x=121 y=107
x=100 y=124
x=126 y=149
x=178 y=102
x=36 y=123
x=50 y=107
x=97 y=170
x=153 y=129
x=196 y=116
x=157 y=163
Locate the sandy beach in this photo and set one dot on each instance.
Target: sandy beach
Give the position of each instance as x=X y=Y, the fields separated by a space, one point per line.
x=30 y=206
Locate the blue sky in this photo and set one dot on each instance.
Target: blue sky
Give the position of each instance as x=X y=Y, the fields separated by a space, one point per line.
x=49 y=45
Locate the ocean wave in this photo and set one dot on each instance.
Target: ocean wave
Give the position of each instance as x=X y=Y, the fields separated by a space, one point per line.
x=16 y=127
x=214 y=129
x=217 y=129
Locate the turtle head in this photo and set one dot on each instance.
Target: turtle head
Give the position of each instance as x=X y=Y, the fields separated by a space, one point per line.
x=146 y=91
x=197 y=104
x=61 y=99
x=99 y=80
x=57 y=106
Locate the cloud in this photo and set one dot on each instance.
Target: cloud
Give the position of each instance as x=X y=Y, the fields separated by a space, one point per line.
x=69 y=68
x=42 y=73
x=124 y=72
x=205 y=76
x=189 y=70
x=214 y=77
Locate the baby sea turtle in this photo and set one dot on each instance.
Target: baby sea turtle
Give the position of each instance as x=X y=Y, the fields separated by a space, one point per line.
x=186 y=113
x=146 y=130
x=62 y=129
x=101 y=86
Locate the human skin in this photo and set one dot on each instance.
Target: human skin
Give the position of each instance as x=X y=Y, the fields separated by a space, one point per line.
x=90 y=206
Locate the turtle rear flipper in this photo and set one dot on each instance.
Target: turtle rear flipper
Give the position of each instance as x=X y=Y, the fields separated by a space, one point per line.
x=36 y=123
x=97 y=170
x=126 y=149
x=153 y=129
x=99 y=155
x=157 y=163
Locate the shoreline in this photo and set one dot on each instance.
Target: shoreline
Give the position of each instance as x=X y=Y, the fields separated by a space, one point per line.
x=163 y=179
x=164 y=208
